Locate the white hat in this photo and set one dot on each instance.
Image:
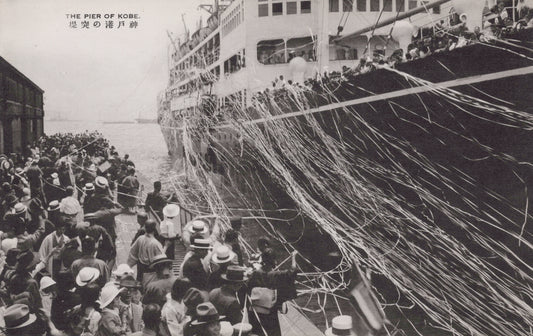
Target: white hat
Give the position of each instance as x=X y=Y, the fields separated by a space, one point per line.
x=9 y=243
x=46 y=282
x=101 y=182
x=242 y=328
x=122 y=270
x=70 y=206
x=198 y=226
x=53 y=206
x=222 y=255
x=19 y=208
x=341 y=325
x=108 y=294
x=226 y=329
x=88 y=186
x=201 y=244
x=87 y=275
x=26 y=191
x=171 y=210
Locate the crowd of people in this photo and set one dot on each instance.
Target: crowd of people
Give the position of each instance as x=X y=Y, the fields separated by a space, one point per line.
x=59 y=202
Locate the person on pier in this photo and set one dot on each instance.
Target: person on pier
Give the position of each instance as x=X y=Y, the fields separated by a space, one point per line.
x=194 y=266
x=155 y=201
x=225 y=298
x=88 y=259
x=50 y=249
x=130 y=188
x=144 y=250
x=170 y=228
x=158 y=287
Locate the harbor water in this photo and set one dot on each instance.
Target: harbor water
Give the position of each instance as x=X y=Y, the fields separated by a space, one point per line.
x=143 y=142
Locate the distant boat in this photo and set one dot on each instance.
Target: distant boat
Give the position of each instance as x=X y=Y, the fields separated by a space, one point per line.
x=118 y=122
x=146 y=121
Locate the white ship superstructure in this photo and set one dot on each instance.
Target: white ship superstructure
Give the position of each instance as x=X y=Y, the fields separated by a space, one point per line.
x=246 y=45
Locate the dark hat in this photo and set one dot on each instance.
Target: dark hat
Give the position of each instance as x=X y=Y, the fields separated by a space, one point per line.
x=129 y=281
x=192 y=298
x=18 y=316
x=142 y=215
x=235 y=273
x=160 y=260
x=11 y=199
x=206 y=313
x=11 y=256
x=26 y=260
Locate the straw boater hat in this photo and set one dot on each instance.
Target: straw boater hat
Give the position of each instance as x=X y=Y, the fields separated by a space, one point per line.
x=86 y=276
x=341 y=326
x=53 y=206
x=198 y=226
x=19 y=208
x=222 y=255
x=235 y=273
x=101 y=182
x=108 y=294
x=201 y=244
x=171 y=210
x=159 y=260
x=206 y=313
x=18 y=316
x=19 y=171
x=88 y=187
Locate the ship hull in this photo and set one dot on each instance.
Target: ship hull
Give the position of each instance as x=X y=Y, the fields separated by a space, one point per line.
x=426 y=114
x=449 y=133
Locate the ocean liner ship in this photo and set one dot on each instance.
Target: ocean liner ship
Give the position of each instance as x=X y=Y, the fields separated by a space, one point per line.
x=401 y=129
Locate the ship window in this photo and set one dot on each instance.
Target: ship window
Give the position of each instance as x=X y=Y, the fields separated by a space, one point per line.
x=277 y=8
x=263 y=10
x=301 y=47
x=361 y=5
x=400 y=5
x=436 y=10
x=305 y=7
x=333 y=6
x=292 y=7
x=387 y=5
x=413 y=4
x=374 y=5
x=347 y=5
x=271 y=52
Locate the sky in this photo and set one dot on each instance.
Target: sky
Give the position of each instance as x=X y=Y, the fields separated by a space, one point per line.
x=95 y=73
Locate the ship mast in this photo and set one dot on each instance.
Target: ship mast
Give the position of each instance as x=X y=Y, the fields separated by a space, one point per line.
x=384 y=23
x=323 y=38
